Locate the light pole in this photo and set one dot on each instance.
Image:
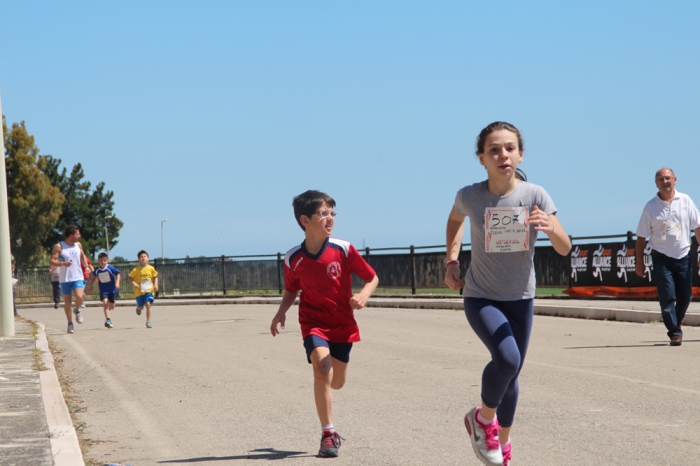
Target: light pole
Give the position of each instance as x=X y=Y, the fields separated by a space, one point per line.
x=107 y=233
x=162 y=243
x=162 y=253
x=7 y=319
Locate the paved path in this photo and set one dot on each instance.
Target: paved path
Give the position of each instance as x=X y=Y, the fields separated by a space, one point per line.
x=209 y=385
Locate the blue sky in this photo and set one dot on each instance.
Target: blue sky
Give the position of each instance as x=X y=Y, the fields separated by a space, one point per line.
x=215 y=114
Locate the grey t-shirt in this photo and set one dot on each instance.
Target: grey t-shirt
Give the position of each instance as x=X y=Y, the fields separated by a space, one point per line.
x=500 y=276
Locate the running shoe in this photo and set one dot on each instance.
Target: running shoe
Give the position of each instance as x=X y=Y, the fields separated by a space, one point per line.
x=108 y=323
x=676 y=340
x=70 y=327
x=78 y=316
x=55 y=306
x=83 y=305
x=329 y=444
x=138 y=311
x=484 y=438
x=148 y=324
x=507 y=449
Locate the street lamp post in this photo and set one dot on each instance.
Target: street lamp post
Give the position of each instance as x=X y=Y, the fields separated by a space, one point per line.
x=162 y=253
x=107 y=233
x=162 y=243
x=7 y=318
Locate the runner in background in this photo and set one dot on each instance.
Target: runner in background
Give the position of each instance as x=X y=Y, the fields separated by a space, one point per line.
x=54 y=273
x=667 y=221
x=68 y=255
x=109 y=280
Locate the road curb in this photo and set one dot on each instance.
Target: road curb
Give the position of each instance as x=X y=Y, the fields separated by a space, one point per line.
x=555 y=310
x=65 y=447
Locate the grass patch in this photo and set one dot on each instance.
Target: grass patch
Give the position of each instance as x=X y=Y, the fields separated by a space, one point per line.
x=38 y=364
x=550 y=291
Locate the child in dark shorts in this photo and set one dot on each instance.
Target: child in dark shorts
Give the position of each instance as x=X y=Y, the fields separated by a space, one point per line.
x=109 y=279
x=321 y=267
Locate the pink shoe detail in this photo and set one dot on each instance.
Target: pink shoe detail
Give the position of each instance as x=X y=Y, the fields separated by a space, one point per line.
x=507 y=456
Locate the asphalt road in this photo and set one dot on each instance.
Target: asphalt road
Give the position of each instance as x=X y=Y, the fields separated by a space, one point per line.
x=208 y=385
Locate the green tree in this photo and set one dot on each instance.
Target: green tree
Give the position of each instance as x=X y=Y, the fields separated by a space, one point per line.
x=34 y=203
x=86 y=208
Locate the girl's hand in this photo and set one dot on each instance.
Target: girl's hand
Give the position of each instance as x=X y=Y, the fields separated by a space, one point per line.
x=541 y=221
x=452 y=278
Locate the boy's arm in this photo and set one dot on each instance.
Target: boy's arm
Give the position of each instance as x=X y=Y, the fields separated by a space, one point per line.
x=132 y=280
x=359 y=300
x=117 y=281
x=155 y=284
x=281 y=316
x=88 y=287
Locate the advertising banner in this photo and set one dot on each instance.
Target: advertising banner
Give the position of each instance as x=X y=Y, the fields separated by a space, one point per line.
x=609 y=269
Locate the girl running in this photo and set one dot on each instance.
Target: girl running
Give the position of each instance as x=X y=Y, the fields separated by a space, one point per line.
x=505 y=214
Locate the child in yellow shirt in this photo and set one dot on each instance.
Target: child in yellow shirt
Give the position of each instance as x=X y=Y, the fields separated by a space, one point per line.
x=145 y=280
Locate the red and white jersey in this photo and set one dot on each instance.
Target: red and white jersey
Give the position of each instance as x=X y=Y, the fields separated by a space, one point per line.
x=325 y=282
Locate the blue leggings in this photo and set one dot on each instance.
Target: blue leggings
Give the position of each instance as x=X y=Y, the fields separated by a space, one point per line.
x=504 y=327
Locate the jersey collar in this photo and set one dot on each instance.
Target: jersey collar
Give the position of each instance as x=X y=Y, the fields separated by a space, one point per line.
x=320 y=252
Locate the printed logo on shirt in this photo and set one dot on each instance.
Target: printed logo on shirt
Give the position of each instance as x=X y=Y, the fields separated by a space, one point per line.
x=334 y=270
x=602 y=262
x=297 y=263
x=626 y=262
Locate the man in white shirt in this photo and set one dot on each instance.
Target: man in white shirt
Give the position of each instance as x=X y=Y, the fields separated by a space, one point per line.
x=667 y=220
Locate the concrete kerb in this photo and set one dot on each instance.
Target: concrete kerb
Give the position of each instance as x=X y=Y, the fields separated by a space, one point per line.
x=556 y=310
x=65 y=447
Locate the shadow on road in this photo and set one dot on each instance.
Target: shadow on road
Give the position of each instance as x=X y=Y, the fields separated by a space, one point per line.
x=259 y=454
x=629 y=346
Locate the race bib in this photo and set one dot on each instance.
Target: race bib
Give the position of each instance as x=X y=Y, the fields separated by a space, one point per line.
x=670 y=229
x=146 y=286
x=506 y=229
x=104 y=277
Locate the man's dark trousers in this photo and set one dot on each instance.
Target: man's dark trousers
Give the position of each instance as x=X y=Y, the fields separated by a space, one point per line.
x=674 y=281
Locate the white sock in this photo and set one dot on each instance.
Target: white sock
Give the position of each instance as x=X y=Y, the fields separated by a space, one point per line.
x=485 y=421
x=329 y=428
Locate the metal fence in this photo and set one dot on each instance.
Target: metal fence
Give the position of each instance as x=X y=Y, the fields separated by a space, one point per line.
x=402 y=267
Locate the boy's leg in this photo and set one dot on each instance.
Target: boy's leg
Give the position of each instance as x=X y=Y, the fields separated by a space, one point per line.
x=106 y=306
x=322 y=363
x=148 y=311
x=338 y=373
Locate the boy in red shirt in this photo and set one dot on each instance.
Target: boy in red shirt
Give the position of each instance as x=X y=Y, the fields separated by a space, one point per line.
x=321 y=267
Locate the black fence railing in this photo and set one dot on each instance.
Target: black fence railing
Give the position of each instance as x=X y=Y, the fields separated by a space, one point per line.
x=412 y=267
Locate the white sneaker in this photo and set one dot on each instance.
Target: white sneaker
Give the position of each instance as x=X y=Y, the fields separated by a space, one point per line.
x=78 y=316
x=70 y=327
x=484 y=439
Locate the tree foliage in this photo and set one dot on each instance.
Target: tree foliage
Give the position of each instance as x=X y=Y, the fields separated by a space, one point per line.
x=85 y=207
x=43 y=199
x=34 y=203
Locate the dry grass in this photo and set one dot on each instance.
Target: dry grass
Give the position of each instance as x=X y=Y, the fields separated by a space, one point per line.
x=74 y=402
